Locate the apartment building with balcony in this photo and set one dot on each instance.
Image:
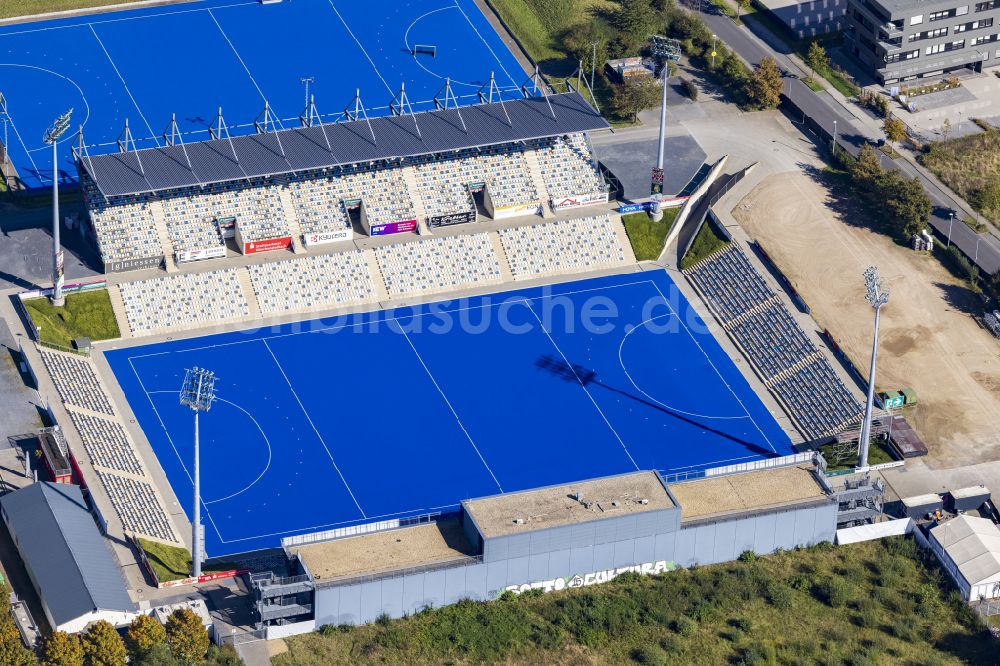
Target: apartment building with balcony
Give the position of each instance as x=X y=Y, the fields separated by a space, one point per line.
x=899 y=40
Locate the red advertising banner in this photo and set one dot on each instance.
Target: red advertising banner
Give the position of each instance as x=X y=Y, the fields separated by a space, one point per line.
x=202 y=579
x=268 y=245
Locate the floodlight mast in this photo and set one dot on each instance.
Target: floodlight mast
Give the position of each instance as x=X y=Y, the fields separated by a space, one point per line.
x=51 y=137
x=667 y=50
x=877 y=296
x=197 y=392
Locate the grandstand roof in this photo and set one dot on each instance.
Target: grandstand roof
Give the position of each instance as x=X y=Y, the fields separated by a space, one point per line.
x=303 y=148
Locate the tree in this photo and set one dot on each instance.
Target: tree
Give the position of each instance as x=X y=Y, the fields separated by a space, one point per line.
x=579 y=42
x=946 y=129
x=186 y=635
x=102 y=646
x=816 y=58
x=143 y=635
x=741 y=7
x=906 y=203
x=894 y=128
x=866 y=171
x=634 y=20
x=987 y=198
x=62 y=649
x=734 y=70
x=13 y=653
x=635 y=95
x=764 y=85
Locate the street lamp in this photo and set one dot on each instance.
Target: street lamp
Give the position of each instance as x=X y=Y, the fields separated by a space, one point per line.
x=713 y=50
x=979 y=237
x=951 y=221
x=197 y=392
x=667 y=50
x=51 y=137
x=877 y=296
x=833 y=139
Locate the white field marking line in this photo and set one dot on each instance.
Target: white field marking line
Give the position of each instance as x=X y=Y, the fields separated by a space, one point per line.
x=580 y=382
x=71 y=136
x=507 y=301
x=309 y=528
x=267 y=443
x=240 y=58
x=356 y=41
x=119 y=20
x=315 y=429
x=712 y=464
x=719 y=374
x=174 y=447
x=448 y=402
x=24 y=147
x=406 y=41
x=499 y=62
x=125 y=85
x=621 y=362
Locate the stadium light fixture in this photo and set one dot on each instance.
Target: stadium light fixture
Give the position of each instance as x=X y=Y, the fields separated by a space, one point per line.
x=877 y=296
x=667 y=50
x=51 y=137
x=198 y=393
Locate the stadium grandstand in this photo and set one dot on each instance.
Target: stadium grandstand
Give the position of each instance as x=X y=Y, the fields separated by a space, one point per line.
x=323 y=183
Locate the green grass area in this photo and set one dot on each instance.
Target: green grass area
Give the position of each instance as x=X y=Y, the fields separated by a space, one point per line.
x=12 y=8
x=173 y=562
x=878 y=454
x=647 y=236
x=879 y=602
x=86 y=314
x=708 y=241
x=539 y=23
x=966 y=165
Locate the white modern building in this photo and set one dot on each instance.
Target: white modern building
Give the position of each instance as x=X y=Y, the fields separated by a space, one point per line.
x=969 y=548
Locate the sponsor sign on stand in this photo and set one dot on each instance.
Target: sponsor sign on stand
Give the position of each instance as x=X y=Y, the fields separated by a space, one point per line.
x=583 y=200
x=268 y=245
x=197 y=255
x=592 y=578
x=327 y=237
x=500 y=212
x=133 y=264
x=393 y=227
x=450 y=219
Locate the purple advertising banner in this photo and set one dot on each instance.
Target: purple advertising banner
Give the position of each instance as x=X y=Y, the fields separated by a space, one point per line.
x=393 y=227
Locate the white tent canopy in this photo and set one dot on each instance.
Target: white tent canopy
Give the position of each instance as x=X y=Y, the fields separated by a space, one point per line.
x=971 y=549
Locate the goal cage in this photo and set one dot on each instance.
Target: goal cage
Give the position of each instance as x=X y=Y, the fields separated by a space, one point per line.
x=425 y=49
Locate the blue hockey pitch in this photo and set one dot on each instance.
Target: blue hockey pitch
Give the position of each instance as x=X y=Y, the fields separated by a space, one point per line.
x=333 y=422
x=189 y=59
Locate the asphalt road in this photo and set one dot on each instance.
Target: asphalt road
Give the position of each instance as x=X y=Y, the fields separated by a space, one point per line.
x=822 y=112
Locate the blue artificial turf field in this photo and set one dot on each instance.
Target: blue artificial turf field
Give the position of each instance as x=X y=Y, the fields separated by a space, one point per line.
x=192 y=58
x=334 y=422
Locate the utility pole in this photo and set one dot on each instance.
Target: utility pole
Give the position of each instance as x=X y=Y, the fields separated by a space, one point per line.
x=306 y=80
x=197 y=392
x=51 y=137
x=877 y=296
x=667 y=50
x=593 y=65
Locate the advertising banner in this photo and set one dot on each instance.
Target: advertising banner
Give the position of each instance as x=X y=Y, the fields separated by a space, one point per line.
x=196 y=255
x=583 y=200
x=450 y=219
x=133 y=264
x=393 y=227
x=327 y=237
x=268 y=245
x=592 y=578
x=500 y=212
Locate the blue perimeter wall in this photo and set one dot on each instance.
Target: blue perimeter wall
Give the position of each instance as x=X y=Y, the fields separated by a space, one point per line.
x=335 y=422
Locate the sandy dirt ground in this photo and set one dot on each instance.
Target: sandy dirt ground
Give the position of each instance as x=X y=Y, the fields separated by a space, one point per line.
x=929 y=341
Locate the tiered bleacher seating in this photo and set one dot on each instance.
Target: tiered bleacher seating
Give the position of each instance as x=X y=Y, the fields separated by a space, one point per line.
x=566 y=246
x=792 y=366
x=568 y=167
x=137 y=506
x=124 y=226
x=76 y=381
x=438 y=264
x=183 y=300
x=320 y=281
x=190 y=221
x=318 y=203
x=107 y=444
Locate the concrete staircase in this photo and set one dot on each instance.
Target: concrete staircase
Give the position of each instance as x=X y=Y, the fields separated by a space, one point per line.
x=619 y=227
x=246 y=284
x=410 y=180
x=535 y=169
x=118 y=307
x=378 y=283
x=160 y=225
x=505 y=273
x=294 y=227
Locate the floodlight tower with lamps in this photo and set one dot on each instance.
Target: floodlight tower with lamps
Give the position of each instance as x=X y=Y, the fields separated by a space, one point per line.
x=197 y=392
x=51 y=137
x=667 y=50
x=877 y=296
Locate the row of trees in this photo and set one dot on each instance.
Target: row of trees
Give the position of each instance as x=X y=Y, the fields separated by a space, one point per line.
x=902 y=203
x=183 y=641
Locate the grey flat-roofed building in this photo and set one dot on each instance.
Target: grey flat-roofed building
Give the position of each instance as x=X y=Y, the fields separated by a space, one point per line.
x=898 y=40
x=67 y=559
x=808 y=19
